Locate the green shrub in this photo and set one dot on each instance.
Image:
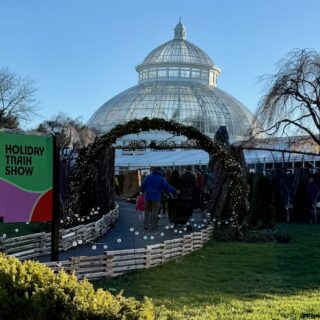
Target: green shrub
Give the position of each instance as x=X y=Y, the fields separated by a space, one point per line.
x=262 y=211
x=30 y=290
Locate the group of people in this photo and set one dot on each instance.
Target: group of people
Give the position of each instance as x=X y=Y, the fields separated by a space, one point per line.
x=170 y=192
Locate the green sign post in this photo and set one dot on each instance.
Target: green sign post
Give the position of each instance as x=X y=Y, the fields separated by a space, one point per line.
x=26 y=177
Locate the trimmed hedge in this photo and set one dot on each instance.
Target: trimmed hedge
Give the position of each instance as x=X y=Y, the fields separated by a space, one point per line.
x=30 y=290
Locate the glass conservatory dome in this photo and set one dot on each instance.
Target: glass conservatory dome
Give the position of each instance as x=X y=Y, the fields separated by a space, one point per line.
x=177 y=81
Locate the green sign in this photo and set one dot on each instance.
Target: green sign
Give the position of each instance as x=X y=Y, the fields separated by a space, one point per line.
x=26 y=177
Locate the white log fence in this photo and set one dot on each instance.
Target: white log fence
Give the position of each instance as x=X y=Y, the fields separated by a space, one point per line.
x=39 y=244
x=115 y=263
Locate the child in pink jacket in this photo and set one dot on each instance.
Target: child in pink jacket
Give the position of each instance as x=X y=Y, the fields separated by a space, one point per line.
x=140 y=206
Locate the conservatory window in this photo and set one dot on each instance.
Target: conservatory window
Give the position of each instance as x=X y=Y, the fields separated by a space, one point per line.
x=185 y=72
x=162 y=72
x=195 y=73
x=152 y=73
x=173 y=72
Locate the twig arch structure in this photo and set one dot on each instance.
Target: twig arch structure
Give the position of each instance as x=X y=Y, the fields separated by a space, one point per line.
x=104 y=143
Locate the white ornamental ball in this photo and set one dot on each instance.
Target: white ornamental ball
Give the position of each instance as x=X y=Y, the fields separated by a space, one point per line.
x=82 y=219
x=61 y=221
x=119 y=240
x=167 y=227
x=159 y=215
x=214 y=219
x=88 y=218
x=204 y=220
x=74 y=243
x=202 y=225
x=188 y=223
x=78 y=219
x=131 y=229
x=105 y=247
x=227 y=222
x=171 y=226
x=95 y=212
x=192 y=219
x=68 y=218
x=91 y=213
x=16 y=230
x=175 y=230
x=195 y=225
x=94 y=247
x=184 y=229
x=136 y=233
x=27 y=222
x=162 y=234
x=98 y=208
x=4 y=235
x=180 y=231
x=79 y=241
x=76 y=215
x=151 y=237
x=145 y=237
x=199 y=227
x=219 y=223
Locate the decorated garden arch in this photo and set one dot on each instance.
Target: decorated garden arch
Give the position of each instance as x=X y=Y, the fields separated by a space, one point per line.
x=91 y=184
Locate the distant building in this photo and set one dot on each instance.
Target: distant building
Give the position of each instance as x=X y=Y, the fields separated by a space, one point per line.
x=177 y=81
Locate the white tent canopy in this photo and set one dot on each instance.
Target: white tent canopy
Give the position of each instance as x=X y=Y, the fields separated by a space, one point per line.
x=160 y=158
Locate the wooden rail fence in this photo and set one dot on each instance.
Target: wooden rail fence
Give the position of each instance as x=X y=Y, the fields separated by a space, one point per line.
x=115 y=263
x=38 y=244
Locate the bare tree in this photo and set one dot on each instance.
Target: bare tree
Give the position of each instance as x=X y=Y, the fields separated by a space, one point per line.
x=291 y=105
x=17 y=101
x=72 y=133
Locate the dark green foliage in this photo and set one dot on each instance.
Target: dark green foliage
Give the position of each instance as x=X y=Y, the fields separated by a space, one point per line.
x=31 y=290
x=262 y=211
x=302 y=202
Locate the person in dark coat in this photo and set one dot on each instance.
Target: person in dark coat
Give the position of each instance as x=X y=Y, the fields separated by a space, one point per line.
x=165 y=195
x=175 y=181
x=198 y=201
x=186 y=197
x=152 y=186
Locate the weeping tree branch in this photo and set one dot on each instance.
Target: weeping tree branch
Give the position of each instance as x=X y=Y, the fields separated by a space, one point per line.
x=292 y=98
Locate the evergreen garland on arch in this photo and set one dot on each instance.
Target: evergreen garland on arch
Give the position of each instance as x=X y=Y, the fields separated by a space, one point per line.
x=81 y=174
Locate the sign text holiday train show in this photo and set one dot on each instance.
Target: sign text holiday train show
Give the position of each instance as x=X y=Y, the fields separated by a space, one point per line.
x=26 y=164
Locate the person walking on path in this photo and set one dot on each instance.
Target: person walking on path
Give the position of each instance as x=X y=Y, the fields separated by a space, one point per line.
x=152 y=186
x=174 y=181
x=187 y=193
x=165 y=195
x=140 y=206
x=198 y=203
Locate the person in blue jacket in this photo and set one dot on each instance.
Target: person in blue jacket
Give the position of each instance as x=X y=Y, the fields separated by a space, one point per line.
x=152 y=186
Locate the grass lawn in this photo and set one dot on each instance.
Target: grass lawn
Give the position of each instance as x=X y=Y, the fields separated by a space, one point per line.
x=235 y=280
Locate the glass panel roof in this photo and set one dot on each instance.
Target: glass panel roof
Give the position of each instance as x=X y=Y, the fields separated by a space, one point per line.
x=188 y=103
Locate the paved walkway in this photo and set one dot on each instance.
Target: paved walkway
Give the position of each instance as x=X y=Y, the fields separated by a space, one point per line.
x=128 y=233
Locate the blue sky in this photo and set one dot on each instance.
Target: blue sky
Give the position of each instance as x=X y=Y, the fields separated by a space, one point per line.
x=83 y=52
